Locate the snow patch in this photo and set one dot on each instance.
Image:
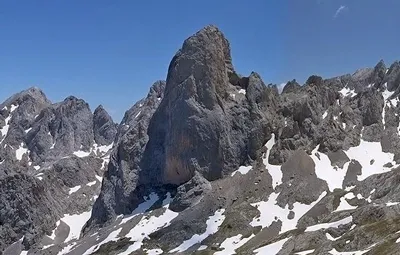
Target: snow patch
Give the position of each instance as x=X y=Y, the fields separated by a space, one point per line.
x=347 y=92
x=305 y=252
x=383 y=115
x=366 y=152
x=13 y=107
x=143 y=207
x=231 y=244
x=272 y=248
x=202 y=248
x=386 y=93
x=102 y=148
x=344 y=205
x=329 y=225
x=75 y=223
x=349 y=195
x=273 y=170
x=270 y=212
x=53 y=233
x=81 y=154
x=331 y=238
x=95 y=148
x=325 y=171
x=91 y=183
x=243 y=170
x=242 y=91
x=363 y=153
x=39 y=176
x=20 y=151
x=99 y=178
x=5 y=128
x=325 y=115
x=154 y=252
x=146 y=226
x=213 y=224
x=111 y=237
x=74 y=189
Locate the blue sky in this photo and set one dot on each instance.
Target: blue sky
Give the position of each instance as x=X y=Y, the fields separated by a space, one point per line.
x=110 y=52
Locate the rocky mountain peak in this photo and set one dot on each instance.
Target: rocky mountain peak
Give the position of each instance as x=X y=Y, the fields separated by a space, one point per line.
x=190 y=132
x=314 y=80
x=204 y=58
x=99 y=109
x=291 y=86
x=157 y=89
x=104 y=127
x=378 y=74
x=32 y=97
x=393 y=77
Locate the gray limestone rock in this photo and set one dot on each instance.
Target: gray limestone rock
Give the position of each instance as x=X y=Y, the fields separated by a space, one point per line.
x=393 y=76
x=198 y=126
x=104 y=128
x=37 y=165
x=354 y=169
x=131 y=140
x=291 y=86
x=300 y=181
x=190 y=193
x=338 y=158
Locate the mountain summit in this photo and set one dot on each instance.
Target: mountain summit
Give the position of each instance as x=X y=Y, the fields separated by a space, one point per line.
x=209 y=162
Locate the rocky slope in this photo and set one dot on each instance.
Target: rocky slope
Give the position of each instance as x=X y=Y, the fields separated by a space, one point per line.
x=210 y=162
x=52 y=157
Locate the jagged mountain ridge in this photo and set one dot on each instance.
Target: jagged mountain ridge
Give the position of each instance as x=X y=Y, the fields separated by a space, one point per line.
x=321 y=157
x=46 y=151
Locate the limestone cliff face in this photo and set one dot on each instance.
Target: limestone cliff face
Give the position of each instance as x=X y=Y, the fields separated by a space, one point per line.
x=209 y=121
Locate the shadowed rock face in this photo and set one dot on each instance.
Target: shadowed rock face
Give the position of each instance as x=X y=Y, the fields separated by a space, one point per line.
x=121 y=177
x=103 y=127
x=196 y=89
x=209 y=121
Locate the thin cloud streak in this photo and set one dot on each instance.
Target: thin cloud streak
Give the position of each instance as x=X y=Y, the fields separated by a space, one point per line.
x=341 y=9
